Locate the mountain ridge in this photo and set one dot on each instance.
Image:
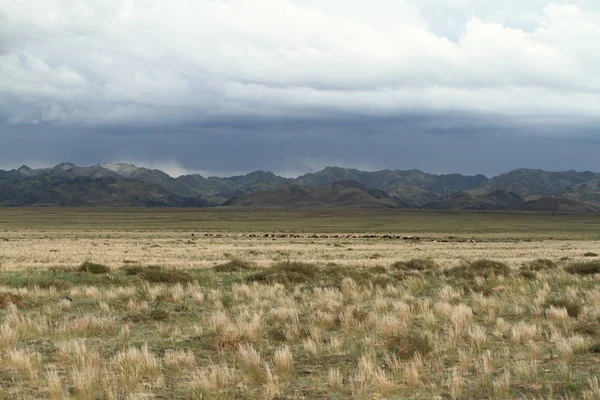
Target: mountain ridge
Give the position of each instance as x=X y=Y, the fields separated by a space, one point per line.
x=123 y=184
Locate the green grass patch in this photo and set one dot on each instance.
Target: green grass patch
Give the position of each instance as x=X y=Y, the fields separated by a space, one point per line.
x=61 y=279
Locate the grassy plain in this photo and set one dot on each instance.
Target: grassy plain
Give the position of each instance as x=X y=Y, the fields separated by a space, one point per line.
x=161 y=311
x=504 y=225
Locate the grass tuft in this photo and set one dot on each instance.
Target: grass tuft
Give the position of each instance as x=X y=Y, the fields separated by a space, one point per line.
x=409 y=344
x=93 y=268
x=588 y=325
x=158 y=274
x=416 y=264
x=541 y=264
x=594 y=347
x=584 y=268
x=573 y=307
x=481 y=268
x=287 y=272
x=6 y=299
x=235 y=265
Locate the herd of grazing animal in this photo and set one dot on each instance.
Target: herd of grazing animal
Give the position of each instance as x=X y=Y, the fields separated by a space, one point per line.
x=324 y=236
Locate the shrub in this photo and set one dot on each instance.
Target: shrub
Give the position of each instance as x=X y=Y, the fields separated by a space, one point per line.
x=541 y=264
x=590 y=254
x=158 y=314
x=234 y=265
x=416 y=264
x=378 y=269
x=481 y=268
x=584 y=268
x=529 y=274
x=287 y=272
x=93 y=268
x=157 y=274
x=594 y=348
x=133 y=269
x=573 y=307
x=6 y=299
x=45 y=282
x=377 y=276
x=384 y=281
x=587 y=325
x=407 y=345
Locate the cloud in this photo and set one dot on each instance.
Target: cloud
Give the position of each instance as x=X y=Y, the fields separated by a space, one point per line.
x=175 y=169
x=148 y=63
x=223 y=87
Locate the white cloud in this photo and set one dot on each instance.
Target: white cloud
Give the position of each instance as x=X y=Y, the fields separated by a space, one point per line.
x=150 y=62
x=175 y=169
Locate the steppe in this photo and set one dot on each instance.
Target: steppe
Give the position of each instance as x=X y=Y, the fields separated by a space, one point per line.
x=298 y=304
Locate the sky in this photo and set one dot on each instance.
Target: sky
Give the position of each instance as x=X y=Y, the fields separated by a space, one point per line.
x=222 y=87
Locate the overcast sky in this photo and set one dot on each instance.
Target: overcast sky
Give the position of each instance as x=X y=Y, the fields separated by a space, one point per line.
x=291 y=86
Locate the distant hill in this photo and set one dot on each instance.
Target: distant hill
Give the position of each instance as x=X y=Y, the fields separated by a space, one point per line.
x=560 y=204
x=414 y=196
x=85 y=191
x=586 y=192
x=496 y=200
x=390 y=181
x=121 y=184
x=532 y=182
x=341 y=194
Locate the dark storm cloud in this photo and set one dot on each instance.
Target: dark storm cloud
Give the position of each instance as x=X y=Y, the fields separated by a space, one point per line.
x=293 y=85
x=294 y=147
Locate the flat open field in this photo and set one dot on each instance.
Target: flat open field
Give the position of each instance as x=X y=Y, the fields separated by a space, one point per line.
x=275 y=304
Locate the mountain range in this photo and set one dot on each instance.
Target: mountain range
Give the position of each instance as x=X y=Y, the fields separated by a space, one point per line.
x=125 y=185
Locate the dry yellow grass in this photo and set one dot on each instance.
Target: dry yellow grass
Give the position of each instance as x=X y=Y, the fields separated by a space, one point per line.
x=347 y=324
x=29 y=250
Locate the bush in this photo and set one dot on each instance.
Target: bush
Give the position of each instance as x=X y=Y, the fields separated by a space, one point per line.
x=541 y=264
x=480 y=268
x=132 y=269
x=527 y=274
x=6 y=299
x=590 y=254
x=93 y=268
x=287 y=272
x=234 y=265
x=416 y=264
x=587 y=325
x=584 y=268
x=378 y=269
x=407 y=345
x=573 y=307
x=157 y=274
x=384 y=281
x=158 y=314
x=594 y=348
x=334 y=274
